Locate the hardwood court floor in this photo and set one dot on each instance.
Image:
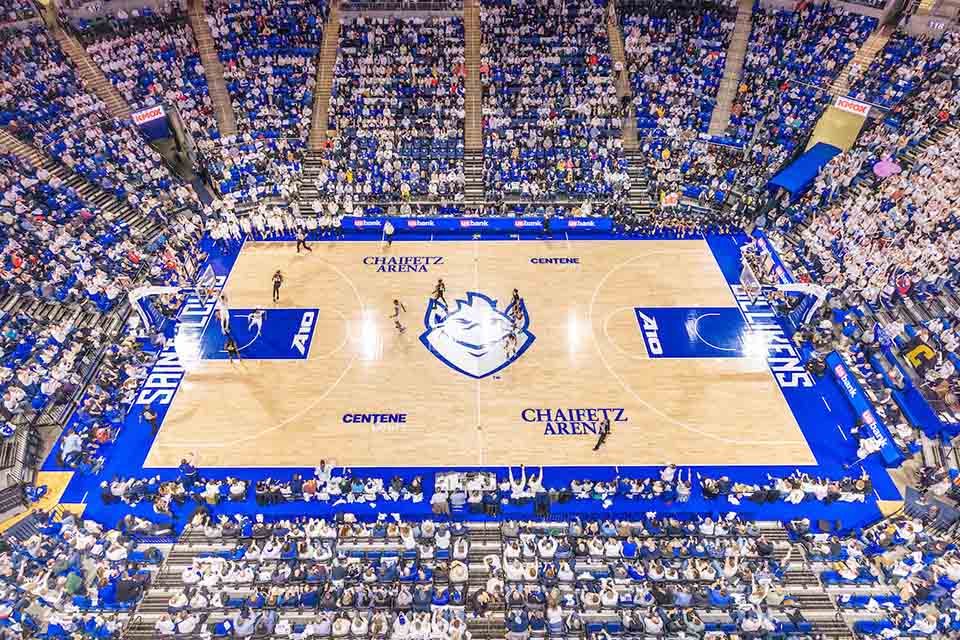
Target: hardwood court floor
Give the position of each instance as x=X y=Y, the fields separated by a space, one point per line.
x=588 y=353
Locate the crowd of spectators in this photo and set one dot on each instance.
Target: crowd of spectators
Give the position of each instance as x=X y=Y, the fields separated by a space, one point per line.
x=248 y=169
x=43 y=101
x=899 y=67
x=398 y=118
x=171 y=498
x=792 y=489
x=854 y=243
x=40 y=92
x=40 y=363
x=675 y=56
x=55 y=580
x=402 y=579
x=268 y=49
x=16 y=10
x=551 y=116
x=791 y=58
x=685 y=166
x=916 y=565
x=100 y=415
x=151 y=57
x=58 y=247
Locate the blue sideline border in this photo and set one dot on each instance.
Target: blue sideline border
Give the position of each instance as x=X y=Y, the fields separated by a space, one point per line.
x=825 y=425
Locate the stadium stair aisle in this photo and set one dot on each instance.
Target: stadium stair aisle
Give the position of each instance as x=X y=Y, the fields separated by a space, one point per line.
x=212 y=69
x=732 y=68
x=326 y=67
x=641 y=201
x=91 y=74
x=312 y=162
x=629 y=130
x=473 y=122
x=864 y=56
x=473 y=189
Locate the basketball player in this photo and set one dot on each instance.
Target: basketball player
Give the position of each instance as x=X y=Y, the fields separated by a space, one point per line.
x=511 y=347
x=231 y=348
x=439 y=290
x=517 y=312
x=302 y=241
x=277 y=282
x=224 y=314
x=398 y=308
x=604 y=432
x=255 y=319
x=515 y=300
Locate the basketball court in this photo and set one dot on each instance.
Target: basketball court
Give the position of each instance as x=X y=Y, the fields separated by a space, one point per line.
x=648 y=335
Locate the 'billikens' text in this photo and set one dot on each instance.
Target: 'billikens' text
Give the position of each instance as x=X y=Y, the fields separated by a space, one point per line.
x=785 y=363
x=402 y=264
x=165 y=376
x=572 y=422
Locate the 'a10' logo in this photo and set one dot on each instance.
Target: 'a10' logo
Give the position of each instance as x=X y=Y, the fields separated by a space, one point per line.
x=651 y=334
x=302 y=338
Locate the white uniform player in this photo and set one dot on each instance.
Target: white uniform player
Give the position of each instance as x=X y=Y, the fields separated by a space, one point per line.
x=255 y=320
x=224 y=314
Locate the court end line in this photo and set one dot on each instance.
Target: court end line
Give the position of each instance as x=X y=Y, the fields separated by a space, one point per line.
x=827 y=404
x=841 y=432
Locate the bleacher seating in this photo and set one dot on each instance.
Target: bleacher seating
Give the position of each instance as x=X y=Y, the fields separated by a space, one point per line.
x=153 y=59
x=904 y=62
x=268 y=49
x=885 y=247
x=791 y=57
x=551 y=118
x=16 y=10
x=675 y=57
x=60 y=577
x=399 y=126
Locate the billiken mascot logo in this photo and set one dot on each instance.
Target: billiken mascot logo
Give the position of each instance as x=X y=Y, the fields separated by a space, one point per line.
x=475 y=338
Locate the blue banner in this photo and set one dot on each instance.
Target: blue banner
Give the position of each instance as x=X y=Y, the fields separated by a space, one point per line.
x=158 y=321
x=797 y=317
x=478 y=225
x=864 y=410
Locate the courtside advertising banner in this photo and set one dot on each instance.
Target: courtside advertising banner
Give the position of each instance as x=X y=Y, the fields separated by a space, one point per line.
x=478 y=225
x=152 y=123
x=864 y=409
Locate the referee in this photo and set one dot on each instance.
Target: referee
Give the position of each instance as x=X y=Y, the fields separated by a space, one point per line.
x=277 y=282
x=604 y=432
x=388 y=231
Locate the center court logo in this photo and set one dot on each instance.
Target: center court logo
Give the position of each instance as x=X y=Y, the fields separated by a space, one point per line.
x=473 y=339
